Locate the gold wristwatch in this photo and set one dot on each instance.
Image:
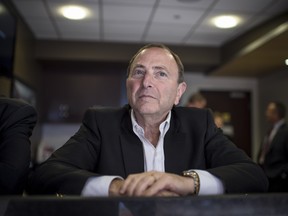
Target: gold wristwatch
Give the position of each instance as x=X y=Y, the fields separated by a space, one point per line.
x=195 y=176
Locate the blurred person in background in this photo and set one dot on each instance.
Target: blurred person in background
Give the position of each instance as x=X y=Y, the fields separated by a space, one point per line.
x=273 y=155
x=197 y=100
x=218 y=119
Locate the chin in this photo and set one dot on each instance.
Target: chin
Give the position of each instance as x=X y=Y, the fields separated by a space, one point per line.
x=147 y=109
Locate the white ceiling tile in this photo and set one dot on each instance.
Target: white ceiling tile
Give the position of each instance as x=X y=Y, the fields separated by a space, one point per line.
x=113 y=27
x=254 y=21
x=79 y=36
x=130 y=2
x=40 y=25
x=185 y=4
x=167 y=31
x=82 y=27
x=180 y=16
x=123 y=37
x=70 y=2
x=166 y=40
x=242 y=5
x=31 y=8
x=74 y=2
x=126 y=20
x=126 y=13
x=278 y=6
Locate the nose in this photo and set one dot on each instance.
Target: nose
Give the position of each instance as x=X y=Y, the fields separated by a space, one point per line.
x=147 y=80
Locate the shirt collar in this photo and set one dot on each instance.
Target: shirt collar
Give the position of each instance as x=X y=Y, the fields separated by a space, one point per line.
x=164 y=126
x=278 y=124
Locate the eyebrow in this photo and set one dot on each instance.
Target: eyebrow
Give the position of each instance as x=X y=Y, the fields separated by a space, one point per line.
x=138 y=66
x=160 y=68
x=155 y=67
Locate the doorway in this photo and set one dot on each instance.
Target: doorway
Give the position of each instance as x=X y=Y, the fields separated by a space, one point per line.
x=235 y=109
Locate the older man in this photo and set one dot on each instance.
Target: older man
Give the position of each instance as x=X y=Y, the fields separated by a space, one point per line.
x=149 y=147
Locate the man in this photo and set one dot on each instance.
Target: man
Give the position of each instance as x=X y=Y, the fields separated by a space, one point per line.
x=143 y=148
x=273 y=156
x=17 y=120
x=197 y=100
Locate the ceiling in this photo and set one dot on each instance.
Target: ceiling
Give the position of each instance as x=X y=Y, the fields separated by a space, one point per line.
x=248 y=50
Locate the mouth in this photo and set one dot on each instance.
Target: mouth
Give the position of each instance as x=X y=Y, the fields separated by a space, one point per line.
x=146 y=96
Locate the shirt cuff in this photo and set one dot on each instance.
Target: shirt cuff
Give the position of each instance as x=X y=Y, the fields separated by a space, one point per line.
x=209 y=184
x=98 y=186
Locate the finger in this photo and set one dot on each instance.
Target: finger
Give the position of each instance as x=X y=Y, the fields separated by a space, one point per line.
x=144 y=184
x=135 y=181
x=128 y=184
x=165 y=182
x=160 y=184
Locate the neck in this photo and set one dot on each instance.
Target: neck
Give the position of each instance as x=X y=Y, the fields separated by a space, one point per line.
x=150 y=125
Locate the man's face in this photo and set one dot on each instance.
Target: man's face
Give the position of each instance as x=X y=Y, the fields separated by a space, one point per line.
x=271 y=113
x=152 y=84
x=198 y=104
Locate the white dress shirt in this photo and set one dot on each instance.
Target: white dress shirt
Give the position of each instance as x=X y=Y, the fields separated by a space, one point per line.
x=275 y=129
x=154 y=159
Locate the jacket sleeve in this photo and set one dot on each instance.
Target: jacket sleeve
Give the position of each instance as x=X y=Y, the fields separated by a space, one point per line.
x=230 y=164
x=17 y=123
x=69 y=167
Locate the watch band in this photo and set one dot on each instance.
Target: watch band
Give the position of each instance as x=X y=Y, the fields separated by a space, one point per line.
x=195 y=176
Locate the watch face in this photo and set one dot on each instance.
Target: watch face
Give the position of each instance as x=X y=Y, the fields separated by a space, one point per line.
x=189 y=174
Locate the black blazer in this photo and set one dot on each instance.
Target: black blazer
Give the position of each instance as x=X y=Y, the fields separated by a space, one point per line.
x=106 y=145
x=17 y=120
x=276 y=160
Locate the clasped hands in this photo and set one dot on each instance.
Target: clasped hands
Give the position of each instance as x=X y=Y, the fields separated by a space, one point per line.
x=152 y=183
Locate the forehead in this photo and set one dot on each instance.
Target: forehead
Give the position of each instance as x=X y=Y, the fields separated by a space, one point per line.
x=155 y=54
x=272 y=107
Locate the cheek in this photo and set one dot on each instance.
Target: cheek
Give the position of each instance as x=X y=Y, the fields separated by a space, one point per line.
x=169 y=94
x=131 y=88
x=174 y=95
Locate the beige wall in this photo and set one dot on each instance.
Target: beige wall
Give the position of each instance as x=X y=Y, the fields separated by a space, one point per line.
x=5 y=86
x=27 y=71
x=25 y=66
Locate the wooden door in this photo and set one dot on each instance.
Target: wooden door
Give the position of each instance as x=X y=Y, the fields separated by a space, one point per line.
x=235 y=108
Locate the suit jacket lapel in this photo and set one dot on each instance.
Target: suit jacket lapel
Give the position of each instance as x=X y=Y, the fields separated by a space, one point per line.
x=132 y=150
x=175 y=149
x=276 y=137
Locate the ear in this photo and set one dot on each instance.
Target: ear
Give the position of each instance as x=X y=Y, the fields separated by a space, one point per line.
x=180 y=91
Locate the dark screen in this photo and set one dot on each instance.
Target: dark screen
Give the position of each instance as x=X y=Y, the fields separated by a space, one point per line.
x=7 y=38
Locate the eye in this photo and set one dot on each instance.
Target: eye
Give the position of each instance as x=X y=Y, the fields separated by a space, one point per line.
x=161 y=74
x=138 y=73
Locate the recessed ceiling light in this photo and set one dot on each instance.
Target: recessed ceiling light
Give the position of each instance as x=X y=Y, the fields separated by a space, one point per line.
x=286 y=62
x=74 y=12
x=226 y=21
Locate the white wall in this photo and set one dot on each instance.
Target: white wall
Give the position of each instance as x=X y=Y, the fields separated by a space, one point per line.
x=53 y=137
x=198 y=81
